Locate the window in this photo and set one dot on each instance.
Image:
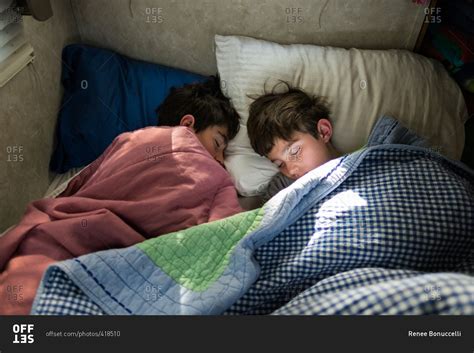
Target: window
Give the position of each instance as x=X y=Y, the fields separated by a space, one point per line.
x=15 y=51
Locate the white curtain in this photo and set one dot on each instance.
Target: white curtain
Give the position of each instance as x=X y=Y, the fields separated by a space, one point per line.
x=15 y=51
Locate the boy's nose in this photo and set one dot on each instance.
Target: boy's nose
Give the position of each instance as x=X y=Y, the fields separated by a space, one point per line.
x=294 y=172
x=220 y=158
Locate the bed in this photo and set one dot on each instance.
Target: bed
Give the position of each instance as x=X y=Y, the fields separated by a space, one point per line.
x=364 y=234
x=354 y=236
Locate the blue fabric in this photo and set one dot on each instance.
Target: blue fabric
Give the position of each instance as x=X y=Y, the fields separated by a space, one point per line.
x=78 y=303
x=379 y=291
x=390 y=213
x=387 y=130
x=402 y=209
x=106 y=94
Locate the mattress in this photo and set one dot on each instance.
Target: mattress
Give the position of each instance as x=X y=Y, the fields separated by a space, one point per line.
x=60 y=181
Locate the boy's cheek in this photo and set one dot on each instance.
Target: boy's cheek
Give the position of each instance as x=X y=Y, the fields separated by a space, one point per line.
x=312 y=162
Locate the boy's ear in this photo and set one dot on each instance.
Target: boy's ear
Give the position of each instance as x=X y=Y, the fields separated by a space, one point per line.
x=324 y=129
x=187 y=120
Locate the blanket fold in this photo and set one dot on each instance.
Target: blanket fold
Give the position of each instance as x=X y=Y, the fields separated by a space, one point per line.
x=147 y=183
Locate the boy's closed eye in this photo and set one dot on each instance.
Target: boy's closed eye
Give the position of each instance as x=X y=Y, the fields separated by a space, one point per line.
x=220 y=142
x=293 y=152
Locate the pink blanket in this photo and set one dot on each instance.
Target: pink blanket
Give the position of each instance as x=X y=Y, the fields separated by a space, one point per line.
x=147 y=183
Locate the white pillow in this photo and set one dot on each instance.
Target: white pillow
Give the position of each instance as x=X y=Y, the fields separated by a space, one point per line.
x=361 y=85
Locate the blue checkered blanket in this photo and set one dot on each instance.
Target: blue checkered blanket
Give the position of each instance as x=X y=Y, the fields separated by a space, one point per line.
x=385 y=230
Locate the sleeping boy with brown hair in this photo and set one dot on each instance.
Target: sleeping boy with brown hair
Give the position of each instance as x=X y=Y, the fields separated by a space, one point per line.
x=293 y=130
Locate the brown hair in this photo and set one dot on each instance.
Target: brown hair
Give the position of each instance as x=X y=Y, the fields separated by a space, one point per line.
x=278 y=115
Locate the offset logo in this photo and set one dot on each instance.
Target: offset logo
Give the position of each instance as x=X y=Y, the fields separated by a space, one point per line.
x=23 y=333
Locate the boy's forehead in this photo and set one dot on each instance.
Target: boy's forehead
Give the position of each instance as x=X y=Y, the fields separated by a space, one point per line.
x=224 y=130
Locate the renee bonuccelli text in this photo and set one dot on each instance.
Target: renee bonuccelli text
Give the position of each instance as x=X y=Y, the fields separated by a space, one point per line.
x=434 y=333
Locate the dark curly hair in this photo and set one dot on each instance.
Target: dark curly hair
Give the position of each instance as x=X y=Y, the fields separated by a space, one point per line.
x=205 y=101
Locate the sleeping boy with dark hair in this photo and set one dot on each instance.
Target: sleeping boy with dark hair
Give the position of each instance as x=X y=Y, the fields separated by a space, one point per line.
x=203 y=108
x=147 y=183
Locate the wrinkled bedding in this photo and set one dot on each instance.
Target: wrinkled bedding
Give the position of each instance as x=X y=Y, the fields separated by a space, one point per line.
x=385 y=230
x=147 y=183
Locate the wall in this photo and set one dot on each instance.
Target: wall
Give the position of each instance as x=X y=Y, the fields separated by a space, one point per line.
x=29 y=106
x=180 y=33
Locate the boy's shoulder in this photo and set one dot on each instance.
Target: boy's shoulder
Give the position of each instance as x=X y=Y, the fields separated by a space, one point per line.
x=388 y=130
x=160 y=140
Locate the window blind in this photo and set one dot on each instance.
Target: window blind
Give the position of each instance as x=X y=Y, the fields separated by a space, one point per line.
x=15 y=51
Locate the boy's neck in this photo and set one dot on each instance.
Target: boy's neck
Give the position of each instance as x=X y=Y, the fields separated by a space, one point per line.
x=334 y=152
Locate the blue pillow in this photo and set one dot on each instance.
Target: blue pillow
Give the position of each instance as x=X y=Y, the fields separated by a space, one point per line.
x=106 y=94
